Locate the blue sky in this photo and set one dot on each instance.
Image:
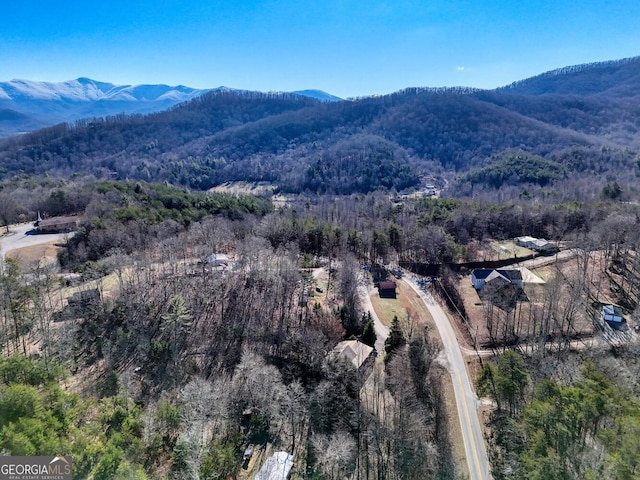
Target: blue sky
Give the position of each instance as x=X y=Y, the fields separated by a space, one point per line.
x=345 y=47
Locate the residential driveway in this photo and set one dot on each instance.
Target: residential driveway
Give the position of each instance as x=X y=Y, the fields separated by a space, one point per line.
x=382 y=332
x=466 y=399
x=18 y=238
x=560 y=256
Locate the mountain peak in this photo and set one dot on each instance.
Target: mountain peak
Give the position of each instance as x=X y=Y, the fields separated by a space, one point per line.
x=318 y=95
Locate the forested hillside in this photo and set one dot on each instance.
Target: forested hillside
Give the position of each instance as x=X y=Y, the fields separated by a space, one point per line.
x=173 y=368
x=359 y=145
x=612 y=78
x=549 y=426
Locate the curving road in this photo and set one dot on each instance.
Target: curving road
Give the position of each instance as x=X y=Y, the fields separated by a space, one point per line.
x=466 y=399
x=18 y=238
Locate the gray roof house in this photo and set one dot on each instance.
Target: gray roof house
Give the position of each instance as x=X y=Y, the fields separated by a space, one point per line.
x=354 y=351
x=498 y=277
x=217 y=262
x=536 y=244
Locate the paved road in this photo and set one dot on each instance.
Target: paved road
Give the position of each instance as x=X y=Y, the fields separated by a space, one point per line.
x=18 y=238
x=466 y=399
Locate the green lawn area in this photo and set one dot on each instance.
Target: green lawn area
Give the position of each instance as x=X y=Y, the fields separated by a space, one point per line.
x=387 y=308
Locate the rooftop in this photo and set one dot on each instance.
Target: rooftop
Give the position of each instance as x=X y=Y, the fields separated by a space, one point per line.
x=491 y=273
x=57 y=221
x=353 y=350
x=276 y=467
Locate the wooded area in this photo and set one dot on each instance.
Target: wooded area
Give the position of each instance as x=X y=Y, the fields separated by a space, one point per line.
x=178 y=364
x=177 y=367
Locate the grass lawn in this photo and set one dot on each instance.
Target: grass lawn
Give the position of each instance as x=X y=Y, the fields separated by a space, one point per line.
x=387 y=308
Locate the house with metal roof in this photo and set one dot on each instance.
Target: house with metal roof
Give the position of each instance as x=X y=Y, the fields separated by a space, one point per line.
x=56 y=224
x=497 y=277
x=537 y=244
x=276 y=467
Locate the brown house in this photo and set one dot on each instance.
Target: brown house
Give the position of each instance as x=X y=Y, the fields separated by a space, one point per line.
x=56 y=224
x=387 y=289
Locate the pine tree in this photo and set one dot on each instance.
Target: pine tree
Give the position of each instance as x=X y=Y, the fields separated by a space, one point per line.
x=176 y=321
x=369 y=330
x=395 y=339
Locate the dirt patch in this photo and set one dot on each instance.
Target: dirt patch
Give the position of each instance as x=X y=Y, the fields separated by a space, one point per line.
x=320 y=289
x=47 y=252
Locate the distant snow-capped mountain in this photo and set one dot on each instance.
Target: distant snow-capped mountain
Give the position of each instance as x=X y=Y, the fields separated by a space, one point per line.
x=28 y=105
x=87 y=90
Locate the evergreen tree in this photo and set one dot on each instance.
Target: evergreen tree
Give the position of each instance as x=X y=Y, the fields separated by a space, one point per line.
x=369 y=330
x=511 y=379
x=395 y=339
x=176 y=320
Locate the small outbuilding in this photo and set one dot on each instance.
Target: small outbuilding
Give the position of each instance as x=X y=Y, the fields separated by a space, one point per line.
x=612 y=313
x=387 y=289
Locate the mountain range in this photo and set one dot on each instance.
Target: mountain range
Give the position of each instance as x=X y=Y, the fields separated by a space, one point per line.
x=576 y=130
x=28 y=105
